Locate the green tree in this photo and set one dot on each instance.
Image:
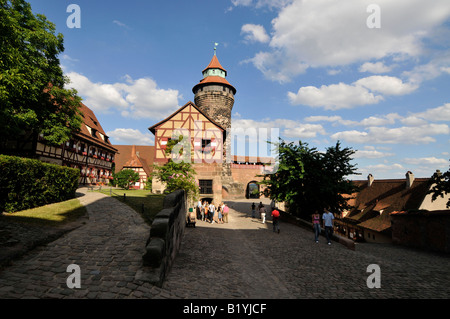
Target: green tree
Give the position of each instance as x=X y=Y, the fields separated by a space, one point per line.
x=441 y=186
x=125 y=177
x=32 y=95
x=178 y=174
x=310 y=180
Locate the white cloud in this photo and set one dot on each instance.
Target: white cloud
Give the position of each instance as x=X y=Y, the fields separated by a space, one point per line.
x=426 y=161
x=288 y=128
x=139 y=98
x=387 y=85
x=255 y=33
x=334 y=96
x=378 y=67
x=121 y=24
x=334 y=33
x=369 y=90
x=276 y=67
x=402 y=135
x=371 y=154
x=441 y=113
x=130 y=136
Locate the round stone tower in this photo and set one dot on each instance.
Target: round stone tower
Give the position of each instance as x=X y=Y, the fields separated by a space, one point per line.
x=214 y=95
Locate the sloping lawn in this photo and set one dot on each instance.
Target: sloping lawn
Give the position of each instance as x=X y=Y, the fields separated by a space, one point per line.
x=142 y=201
x=50 y=215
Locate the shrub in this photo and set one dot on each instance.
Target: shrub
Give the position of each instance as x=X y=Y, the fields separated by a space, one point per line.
x=28 y=183
x=125 y=177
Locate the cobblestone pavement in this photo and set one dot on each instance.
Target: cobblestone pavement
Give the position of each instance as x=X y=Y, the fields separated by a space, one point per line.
x=240 y=259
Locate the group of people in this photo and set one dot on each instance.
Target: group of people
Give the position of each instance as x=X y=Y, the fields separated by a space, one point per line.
x=262 y=215
x=206 y=212
x=327 y=219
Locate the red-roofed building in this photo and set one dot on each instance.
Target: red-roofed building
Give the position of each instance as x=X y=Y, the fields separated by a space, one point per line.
x=370 y=219
x=138 y=158
x=88 y=150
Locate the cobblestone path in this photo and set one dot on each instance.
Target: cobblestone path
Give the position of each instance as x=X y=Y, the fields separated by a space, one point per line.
x=240 y=259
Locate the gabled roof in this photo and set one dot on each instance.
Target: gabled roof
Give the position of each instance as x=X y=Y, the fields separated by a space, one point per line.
x=128 y=157
x=153 y=128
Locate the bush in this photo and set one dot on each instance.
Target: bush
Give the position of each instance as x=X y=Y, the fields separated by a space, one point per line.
x=28 y=183
x=125 y=177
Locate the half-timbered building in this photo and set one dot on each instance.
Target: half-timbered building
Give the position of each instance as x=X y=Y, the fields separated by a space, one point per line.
x=201 y=144
x=88 y=150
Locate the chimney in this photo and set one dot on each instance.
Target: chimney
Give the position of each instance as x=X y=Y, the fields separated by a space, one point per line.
x=409 y=179
x=369 y=180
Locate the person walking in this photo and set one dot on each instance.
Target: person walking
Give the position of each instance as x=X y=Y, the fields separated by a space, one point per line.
x=259 y=209
x=225 y=213
x=253 y=210
x=262 y=212
x=316 y=225
x=328 y=223
x=276 y=220
x=211 y=210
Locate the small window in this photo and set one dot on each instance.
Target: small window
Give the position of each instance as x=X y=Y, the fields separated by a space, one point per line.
x=205 y=186
x=206 y=146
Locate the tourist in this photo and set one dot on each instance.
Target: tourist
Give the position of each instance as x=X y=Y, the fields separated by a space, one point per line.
x=211 y=210
x=262 y=212
x=316 y=225
x=328 y=223
x=253 y=210
x=276 y=220
x=225 y=213
x=202 y=210
x=259 y=208
x=219 y=211
x=199 y=208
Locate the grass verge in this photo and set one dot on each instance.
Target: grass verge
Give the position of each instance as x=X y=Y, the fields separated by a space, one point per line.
x=142 y=201
x=50 y=215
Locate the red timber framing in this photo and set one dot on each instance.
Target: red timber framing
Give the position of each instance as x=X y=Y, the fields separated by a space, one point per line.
x=205 y=137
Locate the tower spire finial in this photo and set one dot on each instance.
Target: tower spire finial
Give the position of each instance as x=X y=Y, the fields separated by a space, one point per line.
x=215 y=47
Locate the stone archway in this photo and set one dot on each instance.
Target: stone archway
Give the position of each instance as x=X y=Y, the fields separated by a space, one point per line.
x=252 y=190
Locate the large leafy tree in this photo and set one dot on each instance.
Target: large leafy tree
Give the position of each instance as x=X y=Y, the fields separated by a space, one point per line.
x=310 y=180
x=32 y=95
x=440 y=185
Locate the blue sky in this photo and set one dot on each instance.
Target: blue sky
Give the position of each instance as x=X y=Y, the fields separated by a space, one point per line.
x=376 y=78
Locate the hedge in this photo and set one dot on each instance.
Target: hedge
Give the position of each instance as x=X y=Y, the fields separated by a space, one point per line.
x=28 y=183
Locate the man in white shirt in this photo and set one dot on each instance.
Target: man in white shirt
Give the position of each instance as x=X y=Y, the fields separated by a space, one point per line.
x=212 y=209
x=328 y=223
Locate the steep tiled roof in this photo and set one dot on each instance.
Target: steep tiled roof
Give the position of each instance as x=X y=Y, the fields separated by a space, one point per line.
x=214 y=64
x=90 y=120
x=212 y=79
x=386 y=196
x=128 y=157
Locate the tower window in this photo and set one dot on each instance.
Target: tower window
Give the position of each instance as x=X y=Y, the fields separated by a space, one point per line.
x=205 y=186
